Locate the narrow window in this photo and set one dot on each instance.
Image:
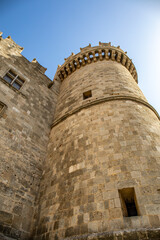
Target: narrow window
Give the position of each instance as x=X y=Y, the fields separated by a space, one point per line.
x=128 y=202
x=2 y=108
x=87 y=94
x=13 y=80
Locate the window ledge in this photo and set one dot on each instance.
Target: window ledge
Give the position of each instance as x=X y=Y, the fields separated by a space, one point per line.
x=133 y=217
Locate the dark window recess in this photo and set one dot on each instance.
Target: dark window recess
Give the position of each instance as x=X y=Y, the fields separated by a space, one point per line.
x=128 y=202
x=8 y=79
x=87 y=94
x=16 y=85
x=2 y=108
x=13 y=80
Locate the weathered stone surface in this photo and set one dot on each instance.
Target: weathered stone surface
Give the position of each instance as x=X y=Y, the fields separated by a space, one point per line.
x=66 y=185
x=97 y=146
x=24 y=129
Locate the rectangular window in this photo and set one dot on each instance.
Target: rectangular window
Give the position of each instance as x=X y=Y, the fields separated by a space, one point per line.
x=13 y=80
x=128 y=202
x=2 y=108
x=87 y=94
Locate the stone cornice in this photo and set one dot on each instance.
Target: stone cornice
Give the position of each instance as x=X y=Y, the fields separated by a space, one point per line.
x=101 y=100
x=93 y=54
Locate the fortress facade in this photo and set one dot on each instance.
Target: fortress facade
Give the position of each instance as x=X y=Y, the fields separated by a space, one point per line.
x=79 y=155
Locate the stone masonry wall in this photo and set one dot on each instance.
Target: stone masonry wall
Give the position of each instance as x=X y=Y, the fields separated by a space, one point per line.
x=104 y=78
x=24 y=130
x=95 y=151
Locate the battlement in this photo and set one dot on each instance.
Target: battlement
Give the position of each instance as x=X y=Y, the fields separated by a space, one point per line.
x=11 y=45
x=90 y=54
x=38 y=66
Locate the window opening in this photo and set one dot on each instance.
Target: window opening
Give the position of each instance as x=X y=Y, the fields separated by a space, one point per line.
x=2 y=108
x=13 y=80
x=128 y=202
x=87 y=94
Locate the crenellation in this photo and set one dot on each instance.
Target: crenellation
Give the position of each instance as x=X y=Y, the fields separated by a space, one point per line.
x=13 y=45
x=104 y=44
x=66 y=59
x=101 y=52
x=38 y=66
x=85 y=48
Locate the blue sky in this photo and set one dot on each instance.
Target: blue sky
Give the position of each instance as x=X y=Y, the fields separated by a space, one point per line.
x=50 y=30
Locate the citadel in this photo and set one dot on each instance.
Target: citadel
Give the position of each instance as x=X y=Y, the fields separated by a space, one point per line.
x=79 y=155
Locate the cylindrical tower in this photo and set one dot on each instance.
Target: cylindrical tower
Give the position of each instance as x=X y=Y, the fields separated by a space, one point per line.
x=102 y=174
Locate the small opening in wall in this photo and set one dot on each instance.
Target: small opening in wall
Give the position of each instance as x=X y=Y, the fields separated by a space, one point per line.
x=1 y=107
x=87 y=94
x=128 y=202
x=103 y=53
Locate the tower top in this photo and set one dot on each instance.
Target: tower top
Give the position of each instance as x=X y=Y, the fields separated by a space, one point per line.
x=90 y=54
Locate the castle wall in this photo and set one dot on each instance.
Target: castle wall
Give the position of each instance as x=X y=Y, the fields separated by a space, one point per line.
x=103 y=150
x=24 y=129
x=98 y=146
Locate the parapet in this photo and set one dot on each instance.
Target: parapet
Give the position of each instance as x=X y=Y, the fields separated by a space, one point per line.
x=39 y=66
x=12 y=43
x=93 y=54
x=15 y=47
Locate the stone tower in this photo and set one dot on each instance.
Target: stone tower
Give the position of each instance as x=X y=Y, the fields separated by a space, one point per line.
x=99 y=176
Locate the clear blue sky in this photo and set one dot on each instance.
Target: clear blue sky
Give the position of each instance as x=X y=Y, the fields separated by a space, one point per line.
x=50 y=30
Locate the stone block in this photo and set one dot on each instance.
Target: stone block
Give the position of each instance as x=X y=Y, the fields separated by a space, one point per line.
x=154 y=220
x=6 y=217
x=115 y=213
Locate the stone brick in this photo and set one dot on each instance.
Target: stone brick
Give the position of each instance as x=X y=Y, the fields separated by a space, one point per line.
x=130 y=235
x=154 y=221
x=6 y=217
x=115 y=213
x=24 y=128
x=97 y=146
